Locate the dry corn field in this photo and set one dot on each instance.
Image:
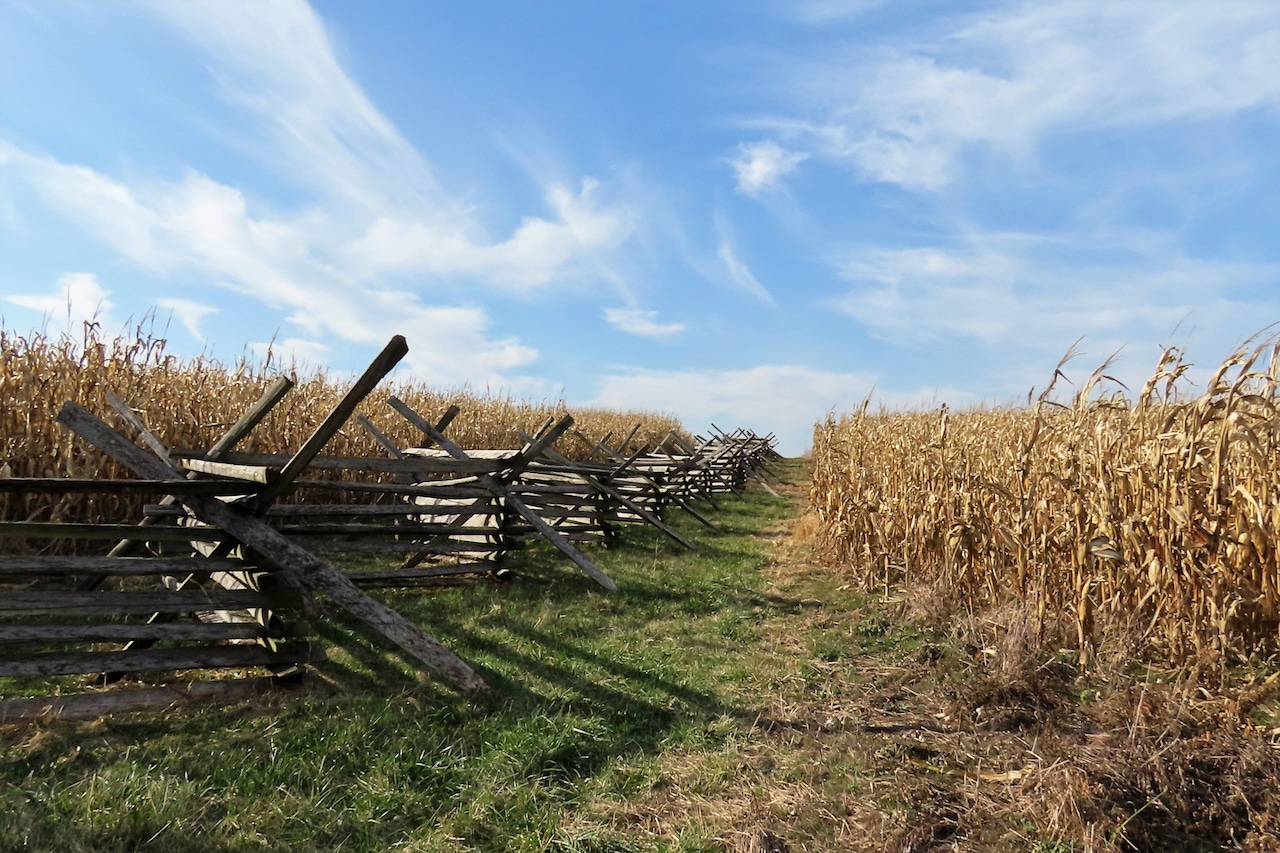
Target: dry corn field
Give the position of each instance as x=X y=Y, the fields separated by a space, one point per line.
x=190 y=403
x=1150 y=524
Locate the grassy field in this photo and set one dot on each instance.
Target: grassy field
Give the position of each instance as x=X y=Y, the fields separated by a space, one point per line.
x=593 y=694
x=745 y=698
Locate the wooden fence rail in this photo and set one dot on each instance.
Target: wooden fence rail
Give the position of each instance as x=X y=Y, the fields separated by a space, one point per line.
x=218 y=573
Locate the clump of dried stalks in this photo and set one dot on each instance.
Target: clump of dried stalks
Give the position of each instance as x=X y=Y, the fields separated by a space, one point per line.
x=189 y=403
x=1152 y=524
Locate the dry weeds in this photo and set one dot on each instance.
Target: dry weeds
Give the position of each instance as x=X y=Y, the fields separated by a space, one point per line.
x=897 y=723
x=189 y=403
x=1151 y=525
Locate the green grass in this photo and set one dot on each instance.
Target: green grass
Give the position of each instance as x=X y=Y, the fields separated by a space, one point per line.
x=618 y=722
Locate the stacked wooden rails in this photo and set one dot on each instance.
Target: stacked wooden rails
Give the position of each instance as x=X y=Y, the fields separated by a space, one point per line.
x=73 y=615
x=722 y=464
x=220 y=573
x=257 y=573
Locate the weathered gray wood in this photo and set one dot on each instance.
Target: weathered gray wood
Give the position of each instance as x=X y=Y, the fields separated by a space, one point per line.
x=104 y=632
x=22 y=604
x=607 y=489
x=394 y=576
x=663 y=490
x=249 y=473
x=459 y=514
x=381 y=365
x=364 y=464
x=504 y=457
x=91 y=706
x=129 y=416
x=295 y=563
x=230 y=580
x=444 y=547
x=242 y=427
x=149 y=660
x=356 y=510
x=366 y=530
x=444 y=490
x=68 y=530
x=593 y=446
x=622 y=445
x=251 y=418
x=66 y=485
x=317 y=510
x=388 y=445
x=114 y=566
x=501 y=490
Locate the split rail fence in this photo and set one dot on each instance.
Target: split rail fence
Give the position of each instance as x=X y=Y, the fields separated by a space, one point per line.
x=221 y=573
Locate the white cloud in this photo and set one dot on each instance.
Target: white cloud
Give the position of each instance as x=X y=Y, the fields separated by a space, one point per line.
x=290 y=354
x=930 y=293
x=189 y=314
x=335 y=266
x=452 y=344
x=1005 y=79
x=761 y=165
x=107 y=208
x=635 y=321
x=277 y=60
x=734 y=269
x=998 y=290
x=786 y=400
x=739 y=273
x=203 y=226
x=538 y=252
x=78 y=298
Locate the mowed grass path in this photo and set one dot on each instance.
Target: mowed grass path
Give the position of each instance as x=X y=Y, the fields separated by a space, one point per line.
x=671 y=715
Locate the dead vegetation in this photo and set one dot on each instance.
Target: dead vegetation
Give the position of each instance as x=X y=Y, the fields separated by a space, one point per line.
x=189 y=403
x=1097 y=580
x=1152 y=524
x=900 y=721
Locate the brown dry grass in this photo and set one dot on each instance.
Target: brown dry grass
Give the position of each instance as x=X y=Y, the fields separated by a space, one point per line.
x=939 y=728
x=1083 y=569
x=1152 y=525
x=896 y=722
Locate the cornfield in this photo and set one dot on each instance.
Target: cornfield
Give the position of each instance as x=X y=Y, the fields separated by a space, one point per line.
x=190 y=403
x=1154 y=521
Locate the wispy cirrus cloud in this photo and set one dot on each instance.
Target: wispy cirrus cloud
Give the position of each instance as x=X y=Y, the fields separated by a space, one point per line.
x=189 y=313
x=733 y=268
x=760 y=166
x=1005 y=78
x=636 y=321
x=1002 y=293
x=362 y=256
x=276 y=62
x=740 y=274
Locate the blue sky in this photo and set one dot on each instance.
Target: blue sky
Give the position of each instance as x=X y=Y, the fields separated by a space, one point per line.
x=747 y=212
